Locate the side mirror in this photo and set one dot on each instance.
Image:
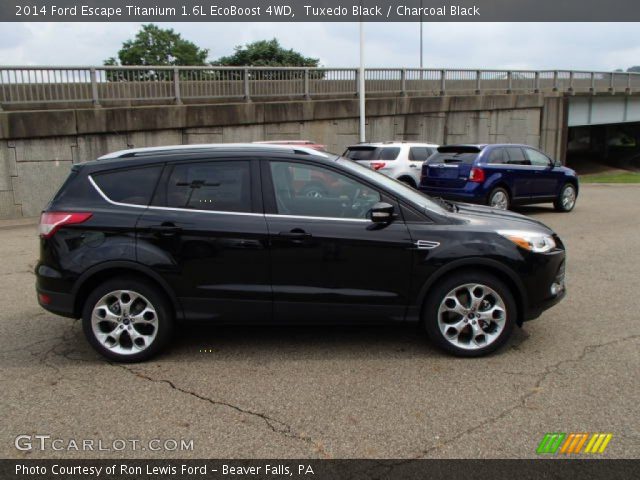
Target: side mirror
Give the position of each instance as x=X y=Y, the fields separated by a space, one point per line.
x=381 y=212
x=556 y=163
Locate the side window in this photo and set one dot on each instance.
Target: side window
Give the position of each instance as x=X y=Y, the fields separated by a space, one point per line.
x=312 y=191
x=389 y=153
x=497 y=156
x=131 y=185
x=537 y=159
x=218 y=186
x=418 y=153
x=516 y=156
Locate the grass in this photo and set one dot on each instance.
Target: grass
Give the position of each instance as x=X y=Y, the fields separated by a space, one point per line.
x=625 y=177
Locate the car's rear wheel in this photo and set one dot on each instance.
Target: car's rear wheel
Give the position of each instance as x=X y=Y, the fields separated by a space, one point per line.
x=499 y=198
x=566 y=198
x=470 y=314
x=127 y=320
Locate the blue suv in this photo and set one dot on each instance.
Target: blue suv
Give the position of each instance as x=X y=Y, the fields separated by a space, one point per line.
x=499 y=175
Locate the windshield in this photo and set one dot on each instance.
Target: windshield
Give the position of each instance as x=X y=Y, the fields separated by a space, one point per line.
x=414 y=196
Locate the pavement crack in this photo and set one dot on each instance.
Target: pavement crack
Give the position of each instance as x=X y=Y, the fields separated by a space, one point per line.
x=277 y=426
x=522 y=401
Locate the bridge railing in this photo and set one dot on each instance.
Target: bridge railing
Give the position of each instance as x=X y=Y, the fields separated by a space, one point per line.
x=112 y=85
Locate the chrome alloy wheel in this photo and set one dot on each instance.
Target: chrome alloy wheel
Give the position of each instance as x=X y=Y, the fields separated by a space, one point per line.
x=472 y=316
x=568 y=198
x=124 y=322
x=499 y=200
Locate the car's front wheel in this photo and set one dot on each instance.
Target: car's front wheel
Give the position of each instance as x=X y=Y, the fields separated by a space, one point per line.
x=470 y=314
x=127 y=320
x=566 y=199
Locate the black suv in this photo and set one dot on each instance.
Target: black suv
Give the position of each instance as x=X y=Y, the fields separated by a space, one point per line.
x=139 y=240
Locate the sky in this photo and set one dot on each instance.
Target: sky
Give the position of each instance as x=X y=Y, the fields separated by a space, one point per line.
x=576 y=46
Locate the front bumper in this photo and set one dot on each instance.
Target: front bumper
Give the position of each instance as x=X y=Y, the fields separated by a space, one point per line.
x=552 y=289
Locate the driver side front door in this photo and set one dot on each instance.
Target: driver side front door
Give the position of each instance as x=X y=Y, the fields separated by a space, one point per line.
x=329 y=262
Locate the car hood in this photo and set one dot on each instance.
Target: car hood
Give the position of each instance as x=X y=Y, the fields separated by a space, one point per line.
x=497 y=219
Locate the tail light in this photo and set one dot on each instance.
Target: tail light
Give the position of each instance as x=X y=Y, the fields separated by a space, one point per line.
x=51 y=222
x=377 y=165
x=476 y=175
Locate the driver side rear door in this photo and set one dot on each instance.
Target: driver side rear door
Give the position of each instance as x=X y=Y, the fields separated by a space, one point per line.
x=329 y=262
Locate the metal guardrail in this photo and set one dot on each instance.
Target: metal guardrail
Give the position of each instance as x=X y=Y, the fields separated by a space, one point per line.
x=106 y=85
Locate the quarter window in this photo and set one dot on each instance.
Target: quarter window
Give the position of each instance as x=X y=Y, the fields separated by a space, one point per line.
x=132 y=185
x=497 y=156
x=218 y=186
x=312 y=191
x=537 y=159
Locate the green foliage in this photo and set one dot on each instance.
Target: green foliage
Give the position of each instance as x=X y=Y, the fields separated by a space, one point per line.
x=635 y=69
x=266 y=53
x=155 y=46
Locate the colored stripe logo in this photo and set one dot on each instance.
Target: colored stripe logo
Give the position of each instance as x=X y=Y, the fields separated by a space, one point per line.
x=574 y=443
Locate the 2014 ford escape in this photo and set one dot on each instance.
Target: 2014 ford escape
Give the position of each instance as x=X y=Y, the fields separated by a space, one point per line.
x=140 y=240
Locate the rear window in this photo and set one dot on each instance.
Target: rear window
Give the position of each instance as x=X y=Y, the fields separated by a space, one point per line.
x=133 y=185
x=372 y=153
x=466 y=158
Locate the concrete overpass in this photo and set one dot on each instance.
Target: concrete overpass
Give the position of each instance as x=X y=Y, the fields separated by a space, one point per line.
x=53 y=117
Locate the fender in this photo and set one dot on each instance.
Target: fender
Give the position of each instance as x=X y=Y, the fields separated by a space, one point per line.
x=520 y=294
x=128 y=265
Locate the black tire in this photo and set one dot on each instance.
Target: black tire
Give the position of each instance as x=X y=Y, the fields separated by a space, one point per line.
x=408 y=181
x=457 y=280
x=160 y=321
x=560 y=204
x=494 y=194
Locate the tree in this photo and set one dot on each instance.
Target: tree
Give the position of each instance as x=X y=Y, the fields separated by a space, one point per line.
x=155 y=46
x=266 y=53
x=635 y=69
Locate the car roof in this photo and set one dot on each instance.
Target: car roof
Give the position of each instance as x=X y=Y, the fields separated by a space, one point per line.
x=392 y=144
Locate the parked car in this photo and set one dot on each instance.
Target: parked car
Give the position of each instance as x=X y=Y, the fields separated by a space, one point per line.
x=400 y=160
x=500 y=175
x=299 y=143
x=140 y=240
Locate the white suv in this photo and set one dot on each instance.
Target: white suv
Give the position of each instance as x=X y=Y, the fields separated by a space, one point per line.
x=400 y=160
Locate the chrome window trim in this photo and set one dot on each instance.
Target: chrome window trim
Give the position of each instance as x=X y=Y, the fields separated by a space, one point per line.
x=220 y=212
x=305 y=217
x=174 y=209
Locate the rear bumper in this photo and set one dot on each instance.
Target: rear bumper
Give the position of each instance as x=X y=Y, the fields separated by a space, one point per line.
x=55 y=302
x=471 y=193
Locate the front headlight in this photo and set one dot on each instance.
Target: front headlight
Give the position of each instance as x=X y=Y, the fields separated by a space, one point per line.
x=532 y=241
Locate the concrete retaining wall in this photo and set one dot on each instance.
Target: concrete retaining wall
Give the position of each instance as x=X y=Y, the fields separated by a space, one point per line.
x=38 y=148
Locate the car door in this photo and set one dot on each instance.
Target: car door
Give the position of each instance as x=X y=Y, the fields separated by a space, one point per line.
x=329 y=261
x=520 y=173
x=206 y=234
x=546 y=178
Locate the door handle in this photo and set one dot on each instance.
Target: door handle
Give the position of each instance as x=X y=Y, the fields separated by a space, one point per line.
x=413 y=166
x=165 y=229
x=295 y=234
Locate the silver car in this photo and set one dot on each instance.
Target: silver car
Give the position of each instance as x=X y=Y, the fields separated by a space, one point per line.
x=400 y=160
